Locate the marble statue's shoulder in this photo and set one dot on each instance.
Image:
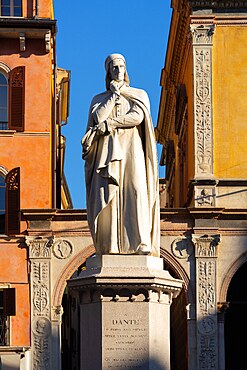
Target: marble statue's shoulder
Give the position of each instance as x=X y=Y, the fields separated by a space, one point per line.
x=99 y=97
x=140 y=94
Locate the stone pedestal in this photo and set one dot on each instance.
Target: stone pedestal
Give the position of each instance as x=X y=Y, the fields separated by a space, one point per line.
x=125 y=312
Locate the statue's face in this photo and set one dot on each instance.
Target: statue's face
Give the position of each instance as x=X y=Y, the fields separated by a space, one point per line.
x=117 y=70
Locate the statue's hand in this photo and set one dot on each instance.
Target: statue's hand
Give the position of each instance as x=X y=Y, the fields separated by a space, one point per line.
x=115 y=87
x=101 y=128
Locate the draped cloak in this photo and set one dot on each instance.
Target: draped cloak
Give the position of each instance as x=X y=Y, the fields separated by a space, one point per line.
x=108 y=158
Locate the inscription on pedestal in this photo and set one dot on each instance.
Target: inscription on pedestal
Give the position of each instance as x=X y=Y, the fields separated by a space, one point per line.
x=125 y=342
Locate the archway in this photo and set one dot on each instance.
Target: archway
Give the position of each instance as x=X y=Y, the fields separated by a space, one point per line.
x=70 y=318
x=236 y=321
x=178 y=314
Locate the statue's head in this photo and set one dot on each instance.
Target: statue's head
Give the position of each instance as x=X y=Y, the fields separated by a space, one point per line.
x=115 y=66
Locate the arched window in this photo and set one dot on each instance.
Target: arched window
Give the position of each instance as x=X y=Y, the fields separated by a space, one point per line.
x=12 y=98
x=11 y=8
x=2 y=203
x=3 y=102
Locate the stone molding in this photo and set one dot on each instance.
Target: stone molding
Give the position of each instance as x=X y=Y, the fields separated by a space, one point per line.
x=206 y=300
x=218 y=4
x=67 y=272
x=228 y=277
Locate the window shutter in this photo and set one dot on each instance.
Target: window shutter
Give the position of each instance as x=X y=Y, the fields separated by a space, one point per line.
x=17 y=98
x=9 y=302
x=13 y=201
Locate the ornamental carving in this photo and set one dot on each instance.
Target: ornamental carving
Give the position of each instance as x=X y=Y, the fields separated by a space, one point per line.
x=206 y=246
x=206 y=305
x=62 y=249
x=40 y=256
x=39 y=247
x=204 y=196
x=206 y=286
x=41 y=354
x=17 y=77
x=13 y=179
x=202 y=34
x=202 y=65
x=40 y=288
x=41 y=326
x=182 y=247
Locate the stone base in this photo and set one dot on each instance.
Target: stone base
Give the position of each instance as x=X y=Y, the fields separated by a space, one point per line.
x=125 y=312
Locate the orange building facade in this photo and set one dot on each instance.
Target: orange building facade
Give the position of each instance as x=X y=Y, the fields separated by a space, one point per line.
x=33 y=104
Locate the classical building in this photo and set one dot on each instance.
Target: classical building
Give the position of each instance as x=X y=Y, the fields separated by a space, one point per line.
x=43 y=242
x=202 y=126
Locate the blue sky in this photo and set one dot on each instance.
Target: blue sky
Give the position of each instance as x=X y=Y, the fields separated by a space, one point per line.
x=87 y=33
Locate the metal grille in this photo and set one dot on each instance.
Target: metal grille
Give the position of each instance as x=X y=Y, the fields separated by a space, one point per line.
x=3 y=330
x=3 y=125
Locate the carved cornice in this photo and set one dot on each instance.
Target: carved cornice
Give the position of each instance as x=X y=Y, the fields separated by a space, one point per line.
x=218 y=4
x=171 y=74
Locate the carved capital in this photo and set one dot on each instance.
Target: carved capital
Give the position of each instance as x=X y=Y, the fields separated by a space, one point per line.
x=39 y=247
x=57 y=313
x=203 y=34
x=206 y=245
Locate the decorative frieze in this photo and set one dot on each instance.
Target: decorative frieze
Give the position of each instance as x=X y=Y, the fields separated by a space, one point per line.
x=206 y=300
x=218 y=4
x=203 y=121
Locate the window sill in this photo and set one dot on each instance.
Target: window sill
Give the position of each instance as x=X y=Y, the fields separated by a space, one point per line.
x=16 y=349
x=7 y=132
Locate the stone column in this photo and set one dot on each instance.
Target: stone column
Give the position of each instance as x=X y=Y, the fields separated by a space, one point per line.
x=206 y=301
x=204 y=184
x=40 y=260
x=125 y=312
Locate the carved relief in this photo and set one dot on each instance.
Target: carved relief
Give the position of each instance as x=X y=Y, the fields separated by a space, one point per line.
x=204 y=196
x=202 y=55
x=39 y=251
x=40 y=285
x=41 y=356
x=206 y=246
x=182 y=247
x=62 y=249
x=206 y=273
x=39 y=247
x=41 y=326
x=13 y=182
x=18 y=77
x=206 y=286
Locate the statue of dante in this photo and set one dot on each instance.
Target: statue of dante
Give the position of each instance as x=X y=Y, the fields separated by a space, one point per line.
x=121 y=167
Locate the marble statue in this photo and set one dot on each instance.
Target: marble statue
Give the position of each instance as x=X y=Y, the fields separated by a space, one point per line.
x=121 y=167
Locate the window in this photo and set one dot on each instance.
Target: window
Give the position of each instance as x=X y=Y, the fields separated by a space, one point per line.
x=2 y=203
x=10 y=202
x=7 y=309
x=11 y=8
x=3 y=102
x=12 y=98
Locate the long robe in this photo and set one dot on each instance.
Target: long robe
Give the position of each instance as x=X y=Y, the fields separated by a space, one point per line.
x=121 y=173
